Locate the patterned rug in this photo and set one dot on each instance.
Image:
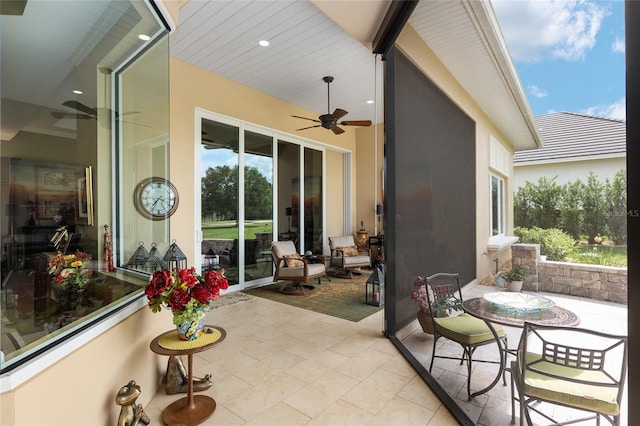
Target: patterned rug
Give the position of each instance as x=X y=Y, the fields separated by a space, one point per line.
x=341 y=297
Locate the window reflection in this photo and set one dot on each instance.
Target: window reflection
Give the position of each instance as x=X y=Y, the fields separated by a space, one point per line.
x=59 y=119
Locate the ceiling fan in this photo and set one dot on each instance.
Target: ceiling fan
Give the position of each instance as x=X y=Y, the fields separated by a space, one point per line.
x=84 y=112
x=330 y=121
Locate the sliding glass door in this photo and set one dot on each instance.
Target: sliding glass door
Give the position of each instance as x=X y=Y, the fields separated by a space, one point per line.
x=248 y=199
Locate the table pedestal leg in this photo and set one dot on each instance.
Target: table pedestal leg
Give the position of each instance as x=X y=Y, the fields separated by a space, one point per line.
x=501 y=370
x=191 y=410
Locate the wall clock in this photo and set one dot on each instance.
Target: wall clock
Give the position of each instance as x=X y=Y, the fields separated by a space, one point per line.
x=155 y=198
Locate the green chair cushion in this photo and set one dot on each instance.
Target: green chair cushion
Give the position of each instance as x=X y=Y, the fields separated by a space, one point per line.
x=465 y=329
x=586 y=396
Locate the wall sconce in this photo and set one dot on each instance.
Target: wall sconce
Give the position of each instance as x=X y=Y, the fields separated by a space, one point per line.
x=289 y=213
x=380 y=213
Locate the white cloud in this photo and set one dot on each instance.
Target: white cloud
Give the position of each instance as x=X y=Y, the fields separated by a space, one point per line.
x=616 y=110
x=618 y=45
x=543 y=29
x=536 y=91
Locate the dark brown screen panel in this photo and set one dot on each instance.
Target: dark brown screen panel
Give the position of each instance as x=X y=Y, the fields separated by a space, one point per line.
x=430 y=159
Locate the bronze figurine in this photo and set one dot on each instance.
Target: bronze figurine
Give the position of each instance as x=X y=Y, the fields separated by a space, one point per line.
x=131 y=414
x=177 y=379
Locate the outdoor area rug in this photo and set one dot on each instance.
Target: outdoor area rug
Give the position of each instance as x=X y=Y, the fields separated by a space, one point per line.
x=340 y=297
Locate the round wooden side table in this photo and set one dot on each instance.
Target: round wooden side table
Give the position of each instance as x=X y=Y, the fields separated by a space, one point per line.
x=192 y=409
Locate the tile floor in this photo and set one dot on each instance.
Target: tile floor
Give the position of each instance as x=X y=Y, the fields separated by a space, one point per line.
x=282 y=365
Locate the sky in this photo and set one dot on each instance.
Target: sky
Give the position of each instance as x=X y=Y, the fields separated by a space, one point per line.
x=569 y=54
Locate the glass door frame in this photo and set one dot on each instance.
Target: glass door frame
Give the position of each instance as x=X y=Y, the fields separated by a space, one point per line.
x=201 y=114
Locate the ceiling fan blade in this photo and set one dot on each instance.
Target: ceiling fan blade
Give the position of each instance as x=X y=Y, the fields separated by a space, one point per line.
x=339 y=113
x=60 y=115
x=356 y=123
x=310 y=127
x=80 y=107
x=305 y=118
x=127 y=113
x=336 y=130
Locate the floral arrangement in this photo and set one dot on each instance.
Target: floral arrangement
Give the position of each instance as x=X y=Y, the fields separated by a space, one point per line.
x=419 y=293
x=186 y=293
x=70 y=269
x=441 y=304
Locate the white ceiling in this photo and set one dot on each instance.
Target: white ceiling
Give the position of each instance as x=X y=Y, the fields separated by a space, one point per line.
x=310 y=40
x=306 y=45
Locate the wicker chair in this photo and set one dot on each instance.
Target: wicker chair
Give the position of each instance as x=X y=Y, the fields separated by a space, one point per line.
x=571 y=367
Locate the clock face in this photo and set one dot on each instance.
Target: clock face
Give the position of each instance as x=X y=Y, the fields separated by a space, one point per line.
x=156 y=198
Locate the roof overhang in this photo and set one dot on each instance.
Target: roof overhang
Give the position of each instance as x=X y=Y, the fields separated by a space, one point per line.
x=466 y=37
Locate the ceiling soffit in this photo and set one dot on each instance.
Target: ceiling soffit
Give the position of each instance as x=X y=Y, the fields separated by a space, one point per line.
x=466 y=38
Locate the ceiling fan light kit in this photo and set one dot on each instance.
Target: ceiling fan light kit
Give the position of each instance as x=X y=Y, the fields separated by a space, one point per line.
x=329 y=120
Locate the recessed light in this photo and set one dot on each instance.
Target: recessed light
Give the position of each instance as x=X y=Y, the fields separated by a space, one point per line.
x=78 y=92
x=370 y=101
x=144 y=37
x=264 y=43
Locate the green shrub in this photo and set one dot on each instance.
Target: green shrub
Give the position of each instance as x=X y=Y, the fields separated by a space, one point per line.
x=554 y=243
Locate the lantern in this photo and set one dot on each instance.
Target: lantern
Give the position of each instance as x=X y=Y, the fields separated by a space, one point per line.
x=211 y=261
x=175 y=258
x=374 y=287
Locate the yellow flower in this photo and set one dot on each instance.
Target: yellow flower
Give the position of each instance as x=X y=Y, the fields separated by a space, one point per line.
x=76 y=264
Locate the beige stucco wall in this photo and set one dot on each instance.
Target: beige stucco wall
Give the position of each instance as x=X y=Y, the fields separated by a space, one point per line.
x=569 y=171
x=192 y=88
x=80 y=389
x=414 y=48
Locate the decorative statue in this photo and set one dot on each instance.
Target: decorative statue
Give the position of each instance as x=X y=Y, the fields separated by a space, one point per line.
x=177 y=379
x=131 y=414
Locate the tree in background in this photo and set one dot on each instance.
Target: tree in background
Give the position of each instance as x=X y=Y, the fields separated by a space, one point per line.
x=571 y=213
x=582 y=210
x=220 y=194
x=616 y=207
x=593 y=205
x=538 y=205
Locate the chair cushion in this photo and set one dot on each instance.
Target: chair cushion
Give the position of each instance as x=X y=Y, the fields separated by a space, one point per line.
x=590 y=397
x=293 y=260
x=341 y=241
x=280 y=248
x=466 y=329
x=348 y=251
x=356 y=261
x=298 y=272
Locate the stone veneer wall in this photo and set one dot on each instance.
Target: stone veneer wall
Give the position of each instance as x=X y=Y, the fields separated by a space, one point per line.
x=592 y=281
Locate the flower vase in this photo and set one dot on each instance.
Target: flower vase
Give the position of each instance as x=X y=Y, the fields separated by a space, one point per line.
x=190 y=330
x=424 y=318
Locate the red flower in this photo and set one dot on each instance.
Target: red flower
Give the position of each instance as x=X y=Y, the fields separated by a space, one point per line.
x=178 y=299
x=202 y=293
x=184 y=292
x=160 y=281
x=188 y=277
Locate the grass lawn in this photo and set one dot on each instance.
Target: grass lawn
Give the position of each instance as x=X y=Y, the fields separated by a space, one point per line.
x=228 y=230
x=602 y=255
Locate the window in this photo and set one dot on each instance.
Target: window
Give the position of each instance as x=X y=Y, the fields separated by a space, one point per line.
x=56 y=164
x=496 y=212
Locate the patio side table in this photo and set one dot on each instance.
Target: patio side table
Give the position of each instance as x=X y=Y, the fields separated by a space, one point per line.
x=190 y=410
